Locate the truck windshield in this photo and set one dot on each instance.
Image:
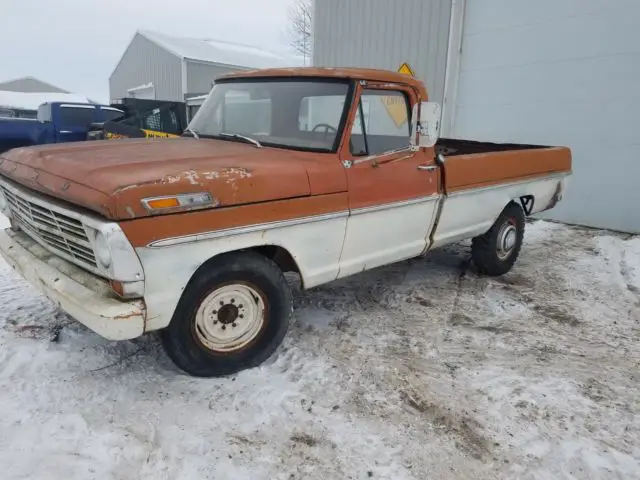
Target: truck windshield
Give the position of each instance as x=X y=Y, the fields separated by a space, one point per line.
x=298 y=114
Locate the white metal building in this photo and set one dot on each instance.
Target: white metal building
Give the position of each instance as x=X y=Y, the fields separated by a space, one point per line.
x=554 y=72
x=164 y=67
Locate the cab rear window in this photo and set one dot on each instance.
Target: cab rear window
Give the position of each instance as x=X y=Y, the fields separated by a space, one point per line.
x=76 y=116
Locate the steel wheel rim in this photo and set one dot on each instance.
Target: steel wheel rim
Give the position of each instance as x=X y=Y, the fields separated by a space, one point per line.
x=507 y=239
x=230 y=317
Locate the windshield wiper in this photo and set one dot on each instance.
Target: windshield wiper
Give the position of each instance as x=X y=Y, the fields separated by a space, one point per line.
x=195 y=135
x=242 y=137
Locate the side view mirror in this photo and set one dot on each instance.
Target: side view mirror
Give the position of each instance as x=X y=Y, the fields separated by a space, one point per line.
x=425 y=124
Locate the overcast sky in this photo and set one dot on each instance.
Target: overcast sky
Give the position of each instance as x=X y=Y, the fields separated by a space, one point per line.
x=75 y=44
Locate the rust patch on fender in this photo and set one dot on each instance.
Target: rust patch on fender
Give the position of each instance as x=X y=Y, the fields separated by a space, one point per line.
x=127 y=316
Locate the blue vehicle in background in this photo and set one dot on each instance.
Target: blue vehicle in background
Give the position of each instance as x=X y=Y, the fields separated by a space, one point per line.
x=54 y=122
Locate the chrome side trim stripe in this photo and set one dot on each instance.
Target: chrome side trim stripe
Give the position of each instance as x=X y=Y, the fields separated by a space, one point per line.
x=287 y=223
x=473 y=190
x=388 y=206
x=330 y=216
x=247 y=229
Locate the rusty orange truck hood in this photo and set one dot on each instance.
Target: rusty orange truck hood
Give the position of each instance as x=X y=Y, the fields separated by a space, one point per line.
x=111 y=177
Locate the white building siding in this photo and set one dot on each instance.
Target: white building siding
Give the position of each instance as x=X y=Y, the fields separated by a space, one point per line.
x=145 y=62
x=560 y=72
x=384 y=34
x=200 y=76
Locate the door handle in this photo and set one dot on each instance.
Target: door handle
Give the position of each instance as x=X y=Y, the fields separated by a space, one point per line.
x=427 y=168
x=65 y=131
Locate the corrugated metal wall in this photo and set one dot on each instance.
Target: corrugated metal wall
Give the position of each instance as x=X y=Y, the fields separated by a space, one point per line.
x=145 y=62
x=384 y=34
x=201 y=75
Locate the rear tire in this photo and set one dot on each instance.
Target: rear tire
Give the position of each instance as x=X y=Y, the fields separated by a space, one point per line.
x=232 y=316
x=495 y=252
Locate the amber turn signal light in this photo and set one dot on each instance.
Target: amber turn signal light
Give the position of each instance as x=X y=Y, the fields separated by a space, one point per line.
x=184 y=201
x=159 y=203
x=117 y=287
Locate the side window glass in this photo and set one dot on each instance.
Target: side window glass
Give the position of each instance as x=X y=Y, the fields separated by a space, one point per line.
x=385 y=121
x=76 y=116
x=356 y=143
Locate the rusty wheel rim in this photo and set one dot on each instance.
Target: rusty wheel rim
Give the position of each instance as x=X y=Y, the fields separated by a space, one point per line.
x=230 y=317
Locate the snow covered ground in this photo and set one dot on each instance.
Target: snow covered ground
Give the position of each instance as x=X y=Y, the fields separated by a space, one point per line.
x=419 y=370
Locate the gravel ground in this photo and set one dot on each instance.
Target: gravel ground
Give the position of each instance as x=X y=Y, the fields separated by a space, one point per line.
x=418 y=370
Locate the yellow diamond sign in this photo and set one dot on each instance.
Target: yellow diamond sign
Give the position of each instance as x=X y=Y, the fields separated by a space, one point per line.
x=395 y=104
x=406 y=69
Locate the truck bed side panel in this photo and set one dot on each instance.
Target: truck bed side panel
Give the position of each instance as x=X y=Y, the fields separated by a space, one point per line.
x=479 y=186
x=471 y=212
x=484 y=169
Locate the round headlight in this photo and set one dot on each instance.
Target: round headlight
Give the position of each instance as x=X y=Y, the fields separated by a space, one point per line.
x=103 y=253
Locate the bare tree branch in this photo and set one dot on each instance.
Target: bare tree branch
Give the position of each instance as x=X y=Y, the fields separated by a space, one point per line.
x=300 y=30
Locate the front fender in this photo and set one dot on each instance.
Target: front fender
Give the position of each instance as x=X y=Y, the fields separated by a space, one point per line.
x=315 y=246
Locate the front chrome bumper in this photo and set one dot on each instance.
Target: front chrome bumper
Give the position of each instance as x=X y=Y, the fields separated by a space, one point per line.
x=84 y=296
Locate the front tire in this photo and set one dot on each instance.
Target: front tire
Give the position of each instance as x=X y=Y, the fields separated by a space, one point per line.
x=495 y=252
x=232 y=316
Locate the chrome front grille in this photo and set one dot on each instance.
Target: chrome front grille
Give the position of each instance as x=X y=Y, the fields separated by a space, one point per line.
x=62 y=234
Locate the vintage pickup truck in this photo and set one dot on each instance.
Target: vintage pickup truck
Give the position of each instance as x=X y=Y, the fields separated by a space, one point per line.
x=323 y=172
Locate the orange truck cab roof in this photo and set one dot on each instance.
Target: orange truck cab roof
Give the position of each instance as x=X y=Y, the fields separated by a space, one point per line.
x=366 y=74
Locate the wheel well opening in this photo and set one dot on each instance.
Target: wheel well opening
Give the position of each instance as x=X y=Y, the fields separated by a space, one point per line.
x=281 y=257
x=526 y=202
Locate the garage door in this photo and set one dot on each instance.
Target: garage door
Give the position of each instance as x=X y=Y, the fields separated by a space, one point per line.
x=560 y=72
